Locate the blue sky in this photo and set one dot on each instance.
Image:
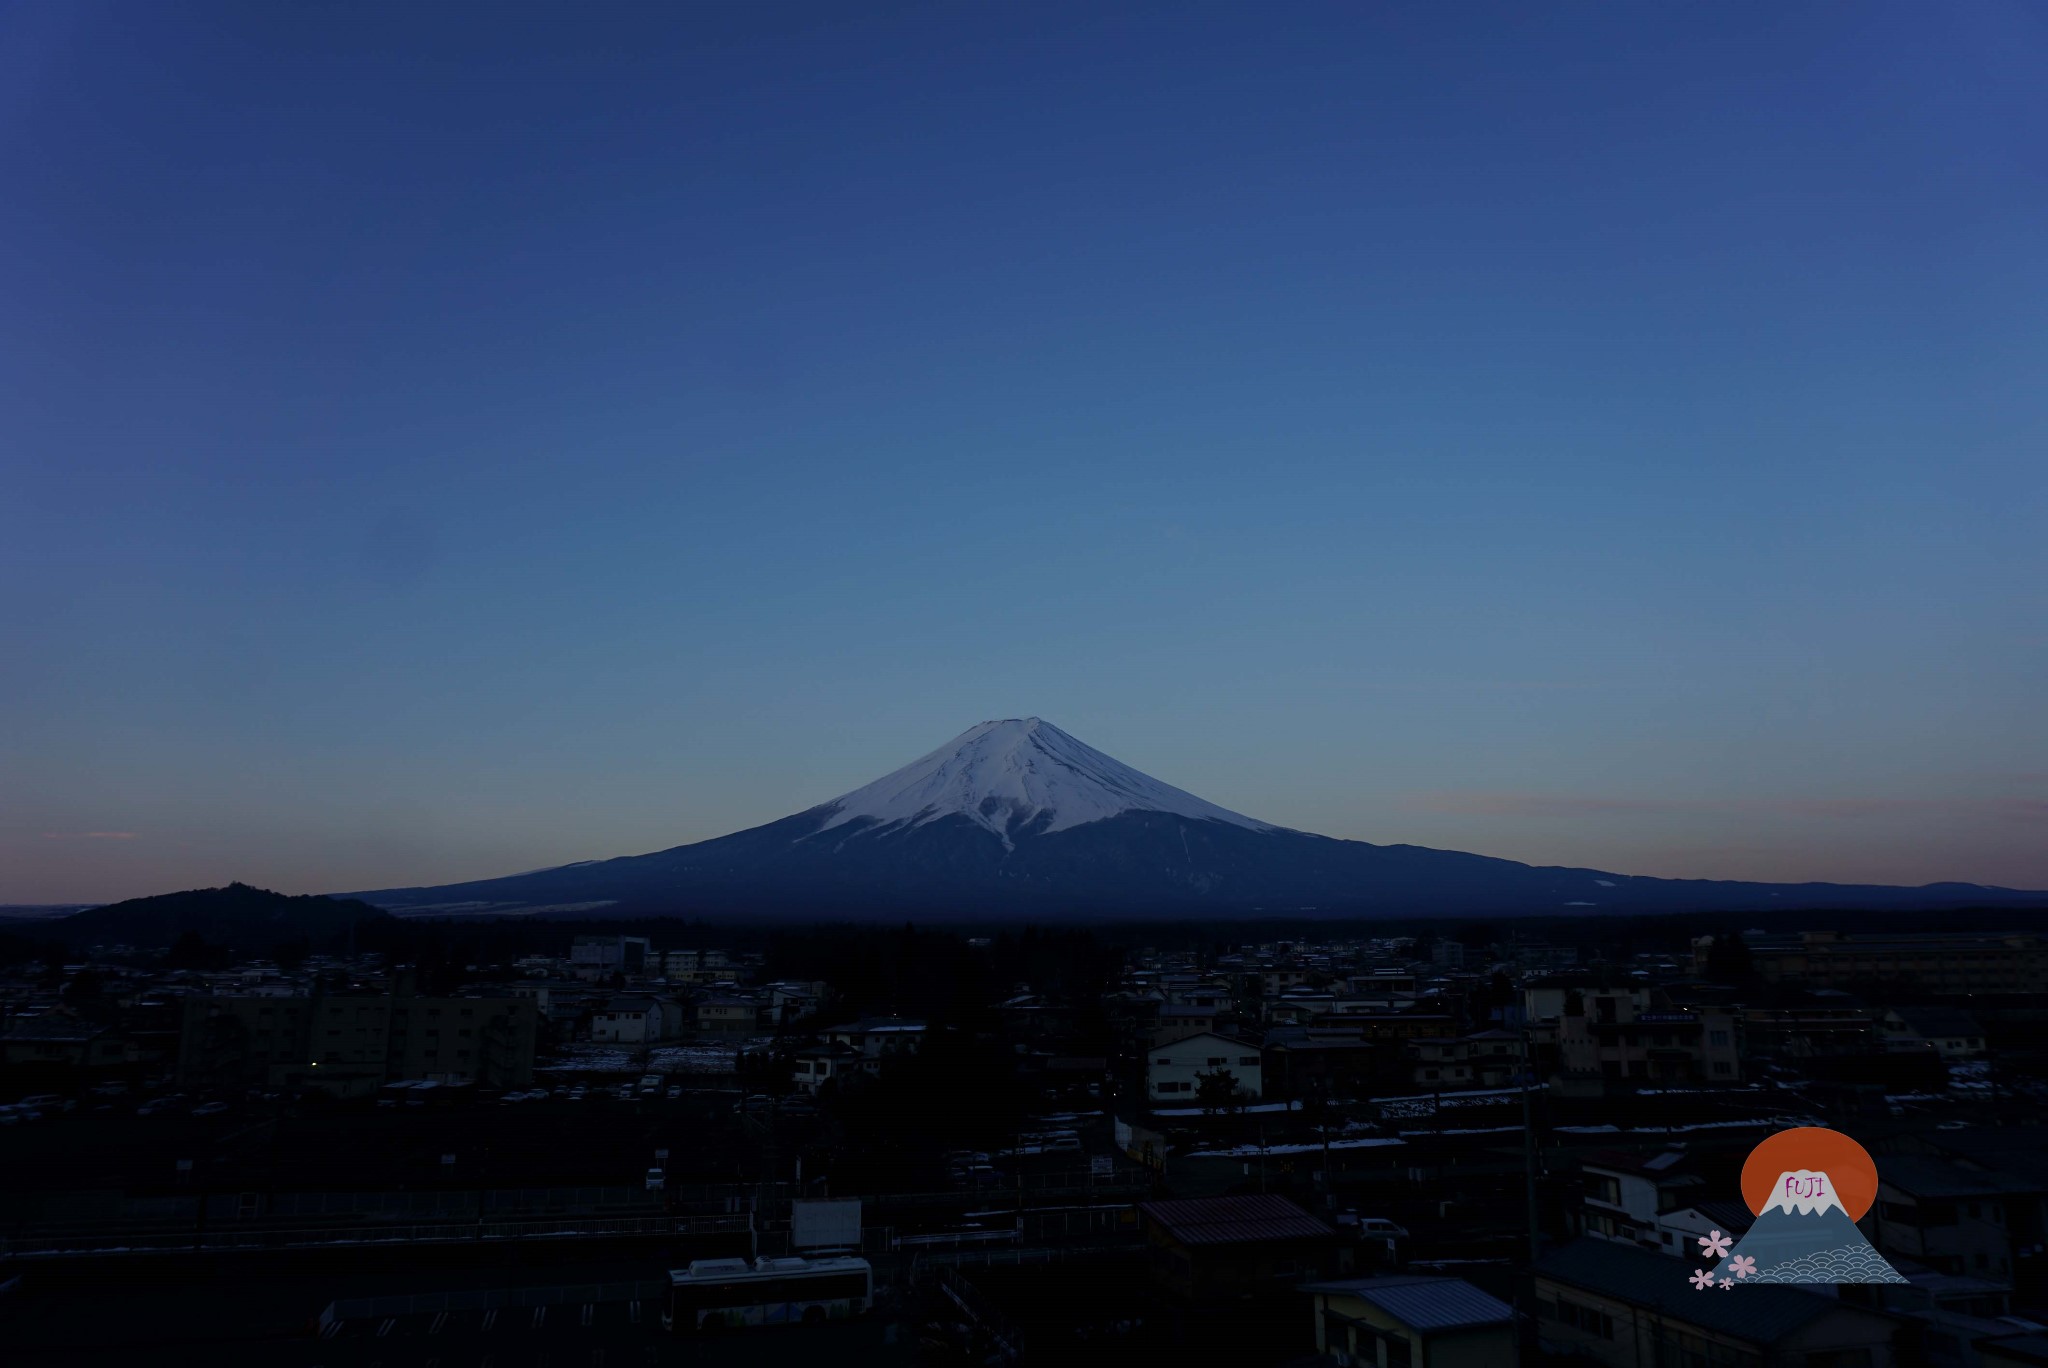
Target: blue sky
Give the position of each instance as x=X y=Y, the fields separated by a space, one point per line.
x=443 y=440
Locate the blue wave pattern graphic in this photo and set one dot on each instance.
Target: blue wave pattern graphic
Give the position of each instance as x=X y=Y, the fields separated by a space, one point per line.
x=1855 y=1263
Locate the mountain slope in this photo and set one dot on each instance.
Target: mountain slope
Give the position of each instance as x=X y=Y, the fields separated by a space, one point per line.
x=1016 y=817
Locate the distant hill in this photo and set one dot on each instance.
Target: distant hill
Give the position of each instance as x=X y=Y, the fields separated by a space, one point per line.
x=238 y=916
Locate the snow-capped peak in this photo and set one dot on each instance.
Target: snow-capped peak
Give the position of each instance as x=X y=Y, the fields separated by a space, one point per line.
x=1007 y=773
x=1805 y=1191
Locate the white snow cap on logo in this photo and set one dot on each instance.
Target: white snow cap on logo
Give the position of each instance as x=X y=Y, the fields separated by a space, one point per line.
x=1804 y=1191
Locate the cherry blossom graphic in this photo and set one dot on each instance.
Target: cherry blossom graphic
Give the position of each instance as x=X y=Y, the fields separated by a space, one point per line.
x=1702 y=1279
x=1727 y=1283
x=1742 y=1265
x=1715 y=1244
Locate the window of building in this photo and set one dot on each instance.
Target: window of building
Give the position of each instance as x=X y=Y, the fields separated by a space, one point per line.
x=1247 y=1060
x=1839 y=1358
x=1586 y=1318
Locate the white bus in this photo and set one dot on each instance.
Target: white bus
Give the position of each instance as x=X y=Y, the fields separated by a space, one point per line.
x=719 y=1293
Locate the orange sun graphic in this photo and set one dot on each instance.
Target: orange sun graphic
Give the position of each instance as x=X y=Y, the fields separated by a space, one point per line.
x=1846 y=1163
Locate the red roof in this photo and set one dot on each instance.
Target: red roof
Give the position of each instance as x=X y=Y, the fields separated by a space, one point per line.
x=1234 y=1220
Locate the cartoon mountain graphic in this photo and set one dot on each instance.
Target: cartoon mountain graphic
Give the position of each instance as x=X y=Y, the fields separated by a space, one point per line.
x=1804 y=1236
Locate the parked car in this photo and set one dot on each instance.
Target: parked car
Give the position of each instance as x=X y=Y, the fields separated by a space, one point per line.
x=209 y=1109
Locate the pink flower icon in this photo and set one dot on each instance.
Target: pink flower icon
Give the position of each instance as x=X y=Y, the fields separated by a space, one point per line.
x=1727 y=1283
x=1742 y=1265
x=1702 y=1279
x=1715 y=1244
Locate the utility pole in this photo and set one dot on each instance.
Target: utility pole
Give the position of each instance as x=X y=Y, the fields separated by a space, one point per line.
x=1527 y=1075
x=1329 y=1189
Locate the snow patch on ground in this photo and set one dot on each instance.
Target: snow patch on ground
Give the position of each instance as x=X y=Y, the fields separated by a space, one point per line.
x=715 y=1058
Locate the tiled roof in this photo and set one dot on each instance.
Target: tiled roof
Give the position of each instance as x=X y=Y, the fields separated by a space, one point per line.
x=1938 y=1021
x=1234 y=1220
x=52 y=1028
x=1757 y=1315
x=1926 y=1176
x=1423 y=1303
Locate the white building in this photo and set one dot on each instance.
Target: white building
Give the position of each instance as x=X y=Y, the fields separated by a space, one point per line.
x=1173 y=1072
x=627 y=1021
x=817 y=1065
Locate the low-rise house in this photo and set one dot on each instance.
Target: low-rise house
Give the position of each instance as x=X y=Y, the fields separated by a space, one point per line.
x=350 y=1044
x=728 y=1014
x=1487 y=1059
x=1225 y=1247
x=1613 y=1305
x=1307 y=1062
x=1623 y=1195
x=1413 y=1320
x=1627 y=1035
x=1951 y=1218
x=2014 y=1351
x=878 y=1037
x=602 y=956
x=1809 y=1023
x=1178 y=1023
x=60 y=1043
x=1174 y=1072
x=1679 y=1231
x=817 y=1065
x=627 y=1021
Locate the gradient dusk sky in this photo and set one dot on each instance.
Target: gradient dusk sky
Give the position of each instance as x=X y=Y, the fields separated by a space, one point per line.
x=438 y=440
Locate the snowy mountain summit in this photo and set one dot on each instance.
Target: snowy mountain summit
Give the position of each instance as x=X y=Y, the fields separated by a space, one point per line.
x=1016 y=775
x=1805 y=1192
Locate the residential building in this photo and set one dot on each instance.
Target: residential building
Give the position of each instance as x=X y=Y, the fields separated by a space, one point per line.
x=1413 y=1321
x=603 y=956
x=1173 y=1072
x=349 y=1044
x=1221 y=1247
x=1939 y=962
x=627 y=1021
x=60 y=1043
x=1625 y=1308
x=1487 y=1059
x=733 y=1015
x=1623 y=1196
x=1178 y=1023
x=1809 y=1023
x=1679 y=1231
x=1307 y=1062
x=1627 y=1035
x=1947 y=1216
x=877 y=1037
x=1950 y=1032
x=817 y=1065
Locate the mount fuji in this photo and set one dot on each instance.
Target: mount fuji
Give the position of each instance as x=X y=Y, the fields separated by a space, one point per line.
x=1016 y=817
